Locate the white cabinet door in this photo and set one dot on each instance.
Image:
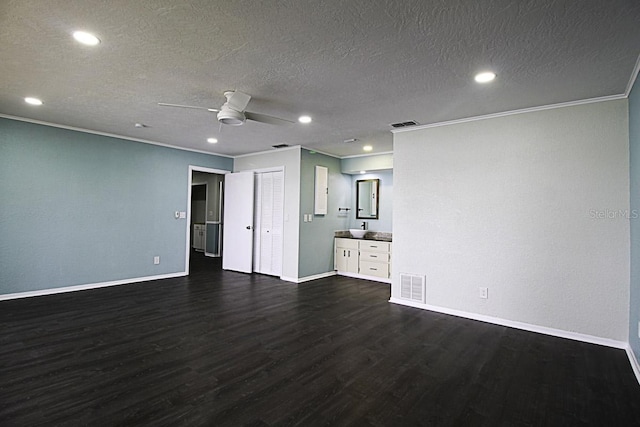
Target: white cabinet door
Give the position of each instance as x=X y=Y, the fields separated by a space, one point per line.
x=198 y=237
x=238 y=222
x=346 y=255
x=321 y=191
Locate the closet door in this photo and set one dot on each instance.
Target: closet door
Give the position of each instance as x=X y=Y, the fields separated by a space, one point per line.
x=277 y=223
x=269 y=223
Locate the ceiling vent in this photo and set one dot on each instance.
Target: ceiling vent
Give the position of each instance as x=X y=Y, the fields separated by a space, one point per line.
x=280 y=146
x=404 y=124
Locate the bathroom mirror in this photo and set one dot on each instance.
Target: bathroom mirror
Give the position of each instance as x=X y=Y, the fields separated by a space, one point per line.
x=367 y=198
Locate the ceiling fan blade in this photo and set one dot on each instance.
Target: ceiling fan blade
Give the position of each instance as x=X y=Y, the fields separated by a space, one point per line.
x=164 y=104
x=238 y=100
x=263 y=118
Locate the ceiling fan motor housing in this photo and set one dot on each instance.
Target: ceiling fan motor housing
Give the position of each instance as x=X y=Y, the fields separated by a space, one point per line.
x=230 y=117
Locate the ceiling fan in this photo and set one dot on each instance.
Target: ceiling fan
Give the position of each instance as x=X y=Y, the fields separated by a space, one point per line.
x=233 y=111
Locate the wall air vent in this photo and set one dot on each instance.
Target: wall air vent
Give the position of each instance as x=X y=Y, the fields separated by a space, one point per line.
x=280 y=146
x=412 y=287
x=404 y=124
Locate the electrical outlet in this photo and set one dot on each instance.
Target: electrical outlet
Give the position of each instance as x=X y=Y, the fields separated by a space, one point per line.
x=484 y=293
x=156 y=260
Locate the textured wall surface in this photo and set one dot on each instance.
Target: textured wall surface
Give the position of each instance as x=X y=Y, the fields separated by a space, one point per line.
x=81 y=209
x=532 y=206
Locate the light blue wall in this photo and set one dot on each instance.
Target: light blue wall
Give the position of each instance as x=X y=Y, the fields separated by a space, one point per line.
x=385 y=219
x=80 y=208
x=371 y=163
x=634 y=174
x=316 y=237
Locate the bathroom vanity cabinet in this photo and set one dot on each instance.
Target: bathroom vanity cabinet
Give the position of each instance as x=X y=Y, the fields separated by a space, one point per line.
x=367 y=259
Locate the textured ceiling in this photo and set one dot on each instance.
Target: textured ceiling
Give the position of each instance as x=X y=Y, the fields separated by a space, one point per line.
x=355 y=66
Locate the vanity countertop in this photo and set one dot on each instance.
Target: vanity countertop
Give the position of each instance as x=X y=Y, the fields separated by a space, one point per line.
x=370 y=235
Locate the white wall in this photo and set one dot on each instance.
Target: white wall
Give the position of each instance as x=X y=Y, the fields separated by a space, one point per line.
x=514 y=204
x=290 y=159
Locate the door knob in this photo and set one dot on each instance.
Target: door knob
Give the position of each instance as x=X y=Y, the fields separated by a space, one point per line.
x=248 y=227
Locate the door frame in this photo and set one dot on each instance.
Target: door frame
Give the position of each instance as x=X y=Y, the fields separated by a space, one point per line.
x=192 y=168
x=206 y=204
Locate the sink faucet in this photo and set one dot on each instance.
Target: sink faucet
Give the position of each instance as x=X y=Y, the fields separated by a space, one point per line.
x=363 y=225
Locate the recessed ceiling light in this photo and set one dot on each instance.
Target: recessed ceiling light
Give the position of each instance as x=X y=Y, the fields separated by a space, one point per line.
x=32 y=101
x=304 y=119
x=86 y=38
x=367 y=148
x=212 y=140
x=363 y=172
x=485 y=77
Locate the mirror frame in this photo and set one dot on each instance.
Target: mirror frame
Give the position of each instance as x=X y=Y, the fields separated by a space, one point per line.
x=376 y=182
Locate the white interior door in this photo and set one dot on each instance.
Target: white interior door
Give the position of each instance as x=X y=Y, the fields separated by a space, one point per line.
x=237 y=238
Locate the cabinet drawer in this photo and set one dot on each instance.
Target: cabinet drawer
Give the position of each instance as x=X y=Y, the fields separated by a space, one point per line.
x=376 y=269
x=373 y=246
x=347 y=243
x=374 y=256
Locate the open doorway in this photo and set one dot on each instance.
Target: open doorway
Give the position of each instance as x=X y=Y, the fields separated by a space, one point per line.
x=204 y=219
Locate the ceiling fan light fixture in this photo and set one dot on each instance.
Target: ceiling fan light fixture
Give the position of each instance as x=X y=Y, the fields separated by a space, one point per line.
x=485 y=77
x=231 y=117
x=32 y=101
x=86 y=38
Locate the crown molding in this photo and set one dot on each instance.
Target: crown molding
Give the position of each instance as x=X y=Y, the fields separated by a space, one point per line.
x=513 y=112
x=110 y=135
x=320 y=152
x=367 y=155
x=632 y=79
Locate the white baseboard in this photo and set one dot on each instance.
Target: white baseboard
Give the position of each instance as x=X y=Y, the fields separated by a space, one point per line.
x=517 y=325
x=634 y=362
x=308 y=278
x=75 y=288
x=362 y=276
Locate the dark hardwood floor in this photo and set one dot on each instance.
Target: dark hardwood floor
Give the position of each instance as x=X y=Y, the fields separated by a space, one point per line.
x=229 y=349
